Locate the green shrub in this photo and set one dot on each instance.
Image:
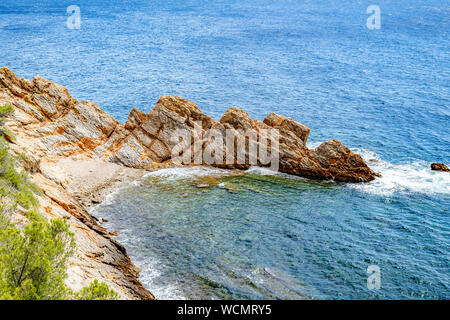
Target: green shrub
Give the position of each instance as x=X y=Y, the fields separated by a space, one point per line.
x=6 y=111
x=33 y=261
x=15 y=185
x=97 y=291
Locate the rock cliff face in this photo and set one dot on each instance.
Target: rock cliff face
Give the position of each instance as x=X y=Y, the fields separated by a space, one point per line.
x=75 y=151
x=58 y=136
x=439 y=167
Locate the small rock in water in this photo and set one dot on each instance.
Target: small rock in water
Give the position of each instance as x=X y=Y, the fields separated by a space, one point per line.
x=230 y=189
x=439 y=167
x=201 y=185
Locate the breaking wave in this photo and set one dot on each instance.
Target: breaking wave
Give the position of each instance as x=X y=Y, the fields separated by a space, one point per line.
x=410 y=177
x=415 y=176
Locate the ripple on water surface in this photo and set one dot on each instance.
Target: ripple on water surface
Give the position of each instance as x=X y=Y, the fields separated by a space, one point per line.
x=265 y=235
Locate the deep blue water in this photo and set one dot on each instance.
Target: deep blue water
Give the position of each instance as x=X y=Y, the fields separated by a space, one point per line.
x=384 y=93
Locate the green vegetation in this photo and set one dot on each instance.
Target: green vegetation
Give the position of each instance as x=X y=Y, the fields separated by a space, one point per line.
x=33 y=256
x=15 y=187
x=33 y=260
x=97 y=291
x=4 y=112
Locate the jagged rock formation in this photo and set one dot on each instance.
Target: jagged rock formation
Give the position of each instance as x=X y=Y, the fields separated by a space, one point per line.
x=74 y=150
x=67 y=127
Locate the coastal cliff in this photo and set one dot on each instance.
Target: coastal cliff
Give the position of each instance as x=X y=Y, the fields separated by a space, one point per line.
x=76 y=154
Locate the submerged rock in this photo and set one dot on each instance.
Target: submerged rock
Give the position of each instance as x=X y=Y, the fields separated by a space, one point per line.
x=201 y=185
x=439 y=167
x=230 y=188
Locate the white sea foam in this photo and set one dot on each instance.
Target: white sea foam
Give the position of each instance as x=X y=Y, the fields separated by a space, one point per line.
x=263 y=171
x=111 y=197
x=415 y=176
x=313 y=145
x=408 y=177
x=109 y=200
x=150 y=273
x=187 y=172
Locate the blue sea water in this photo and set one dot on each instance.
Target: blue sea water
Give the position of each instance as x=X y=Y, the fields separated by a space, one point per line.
x=384 y=93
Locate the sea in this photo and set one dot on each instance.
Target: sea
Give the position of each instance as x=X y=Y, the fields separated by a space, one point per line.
x=373 y=74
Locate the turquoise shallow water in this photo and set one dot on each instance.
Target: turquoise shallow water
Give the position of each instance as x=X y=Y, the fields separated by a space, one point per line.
x=383 y=93
x=260 y=235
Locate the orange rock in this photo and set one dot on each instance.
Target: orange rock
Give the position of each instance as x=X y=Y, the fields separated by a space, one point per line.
x=439 y=167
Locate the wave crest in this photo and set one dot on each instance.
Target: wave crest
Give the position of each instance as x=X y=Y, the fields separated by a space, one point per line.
x=411 y=177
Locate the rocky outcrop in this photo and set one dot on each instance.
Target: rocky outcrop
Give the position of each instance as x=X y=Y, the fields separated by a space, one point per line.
x=75 y=152
x=331 y=160
x=439 y=167
x=150 y=142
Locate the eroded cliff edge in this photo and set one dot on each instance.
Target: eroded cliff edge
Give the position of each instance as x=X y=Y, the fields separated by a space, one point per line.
x=75 y=153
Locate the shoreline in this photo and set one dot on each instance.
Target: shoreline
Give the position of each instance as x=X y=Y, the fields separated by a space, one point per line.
x=77 y=154
x=70 y=184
